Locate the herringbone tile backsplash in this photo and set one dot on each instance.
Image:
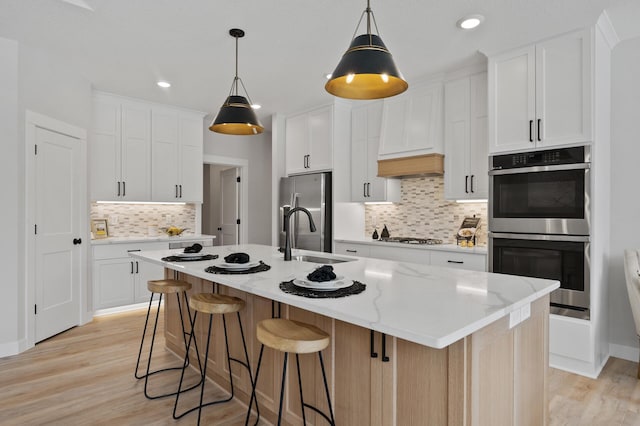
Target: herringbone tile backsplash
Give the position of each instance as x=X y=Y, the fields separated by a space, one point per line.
x=424 y=213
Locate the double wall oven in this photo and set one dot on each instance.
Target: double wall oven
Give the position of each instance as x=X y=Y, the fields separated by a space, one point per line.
x=539 y=221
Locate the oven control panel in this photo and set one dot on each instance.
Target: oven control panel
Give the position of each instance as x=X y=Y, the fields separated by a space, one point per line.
x=540 y=158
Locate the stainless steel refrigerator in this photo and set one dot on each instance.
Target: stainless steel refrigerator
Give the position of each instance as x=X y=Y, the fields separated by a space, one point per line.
x=312 y=192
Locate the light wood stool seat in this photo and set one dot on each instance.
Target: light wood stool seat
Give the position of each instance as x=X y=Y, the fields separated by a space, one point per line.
x=212 y=303
x=296 y=337
x=291 y=336
x=168 y=286
x=162 y=287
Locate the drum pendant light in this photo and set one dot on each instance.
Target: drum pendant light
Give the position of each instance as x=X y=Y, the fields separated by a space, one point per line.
x=366 y=70
x=236 y=116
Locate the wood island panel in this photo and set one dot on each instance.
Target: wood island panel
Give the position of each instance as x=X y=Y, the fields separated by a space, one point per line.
x=491 y=377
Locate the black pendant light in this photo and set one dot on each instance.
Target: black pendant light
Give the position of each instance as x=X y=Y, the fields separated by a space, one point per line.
x=366 y=70
x=236 y=116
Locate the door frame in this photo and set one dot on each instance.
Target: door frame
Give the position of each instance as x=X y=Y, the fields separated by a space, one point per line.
x=33 y=121
x=243 y=165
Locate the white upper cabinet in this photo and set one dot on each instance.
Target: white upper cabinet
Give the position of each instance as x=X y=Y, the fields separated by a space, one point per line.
x=540 y=96
x=177 y=145
x=309 y=141
x=412 y=122
x=466 y=145
x=120 y=150
x=365 y=141
x=144 y=152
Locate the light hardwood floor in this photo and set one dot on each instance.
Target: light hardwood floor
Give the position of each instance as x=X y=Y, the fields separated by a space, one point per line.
x=85 y=376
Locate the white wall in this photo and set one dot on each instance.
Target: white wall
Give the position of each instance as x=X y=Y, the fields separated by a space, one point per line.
x=10 y=213
x=43 y=83
x=257 y=150
x=625 y=184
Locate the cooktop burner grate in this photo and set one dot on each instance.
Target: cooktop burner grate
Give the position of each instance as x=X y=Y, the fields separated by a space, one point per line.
x=412 y=240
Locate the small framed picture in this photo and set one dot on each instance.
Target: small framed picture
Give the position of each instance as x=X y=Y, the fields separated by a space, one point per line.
x=99 y=228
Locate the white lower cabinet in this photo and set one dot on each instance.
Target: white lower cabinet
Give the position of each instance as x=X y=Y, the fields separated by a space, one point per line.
x=421 y=255
x=471 y=261
x=120 y=280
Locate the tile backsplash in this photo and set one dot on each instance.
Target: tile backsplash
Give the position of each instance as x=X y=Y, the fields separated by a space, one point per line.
x=134 y=220
x=424 y=213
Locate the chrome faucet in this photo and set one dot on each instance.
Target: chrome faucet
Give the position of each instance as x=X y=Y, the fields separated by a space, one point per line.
x=287 y=227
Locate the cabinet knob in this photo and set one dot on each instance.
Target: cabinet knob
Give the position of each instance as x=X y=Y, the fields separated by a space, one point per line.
x=77 y=241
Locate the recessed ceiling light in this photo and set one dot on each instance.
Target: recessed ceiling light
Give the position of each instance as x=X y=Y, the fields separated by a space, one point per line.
x=164 y=84
x=470 y=22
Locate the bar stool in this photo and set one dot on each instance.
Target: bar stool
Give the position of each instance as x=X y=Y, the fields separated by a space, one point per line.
x=213 y=303
x=163 y=287
x=296 y=337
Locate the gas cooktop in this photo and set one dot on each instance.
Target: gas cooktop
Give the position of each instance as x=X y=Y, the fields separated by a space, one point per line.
x=412 y=240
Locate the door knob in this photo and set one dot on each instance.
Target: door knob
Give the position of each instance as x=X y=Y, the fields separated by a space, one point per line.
x=77 y=241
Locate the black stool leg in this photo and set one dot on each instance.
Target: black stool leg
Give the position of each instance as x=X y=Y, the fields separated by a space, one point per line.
x=226 y=344
x=253 y=390
x=153 y=338
x=184 y=367
x=284 y=376
x=326 y=389
x=304 y=417
x=144 y=333
x=248 y=365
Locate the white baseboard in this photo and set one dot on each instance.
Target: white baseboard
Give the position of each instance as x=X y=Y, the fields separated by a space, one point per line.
x=126 y=308
x=575 y=366
x=625 y=352
x=13 y=348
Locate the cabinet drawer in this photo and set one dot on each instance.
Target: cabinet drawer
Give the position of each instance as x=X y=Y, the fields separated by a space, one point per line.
x=401 y=254
x=471 y=261
x=113 y=251
x=351 y=249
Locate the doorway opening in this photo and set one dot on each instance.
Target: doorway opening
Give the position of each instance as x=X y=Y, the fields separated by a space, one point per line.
x=223 y=212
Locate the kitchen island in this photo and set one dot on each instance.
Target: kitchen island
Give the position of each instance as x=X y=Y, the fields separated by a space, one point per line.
x=421 y=345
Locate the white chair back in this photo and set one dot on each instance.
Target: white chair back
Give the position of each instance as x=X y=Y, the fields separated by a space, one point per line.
x=632 y=274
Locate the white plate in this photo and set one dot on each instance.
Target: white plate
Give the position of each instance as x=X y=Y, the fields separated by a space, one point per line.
x=238 y=266
x=191 y=254
x=323 y=286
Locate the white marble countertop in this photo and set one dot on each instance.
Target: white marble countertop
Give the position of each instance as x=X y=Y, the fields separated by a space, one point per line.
x=439 y=247
x=143 y=239
x=429 y=305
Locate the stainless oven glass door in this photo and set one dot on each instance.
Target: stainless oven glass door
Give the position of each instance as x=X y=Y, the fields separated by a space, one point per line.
x=541 y=200
x=556 y=257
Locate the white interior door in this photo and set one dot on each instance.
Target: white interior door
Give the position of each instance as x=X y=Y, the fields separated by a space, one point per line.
x=229 y=205
x=57 y=258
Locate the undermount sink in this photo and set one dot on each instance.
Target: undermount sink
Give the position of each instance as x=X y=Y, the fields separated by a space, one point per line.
x=318 y=259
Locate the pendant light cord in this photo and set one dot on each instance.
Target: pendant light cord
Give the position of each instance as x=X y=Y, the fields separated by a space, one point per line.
x=235 y=80
x=234 y=85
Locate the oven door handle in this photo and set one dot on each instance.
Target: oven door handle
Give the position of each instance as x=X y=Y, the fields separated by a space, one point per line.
x=541 y=237
x=535 y=169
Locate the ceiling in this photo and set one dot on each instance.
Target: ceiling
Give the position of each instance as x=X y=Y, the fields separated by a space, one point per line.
x=125 y=46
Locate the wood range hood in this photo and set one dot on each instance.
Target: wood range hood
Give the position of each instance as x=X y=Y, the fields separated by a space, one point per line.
x=428 y=164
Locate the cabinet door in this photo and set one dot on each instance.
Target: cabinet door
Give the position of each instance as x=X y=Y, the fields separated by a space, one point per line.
x=104 y=149
x=512 y=100
x=563 y=90
x=191 y=168
x=394 y=116
x=378 y=189
x=145 y=272
x=359 y=154
x=113 y=282
x=164 y=170
x=478 y=157
x=358 y=376
x=400 y=254
x=457 y=134
x=320 y=139
x=297 y=144
x=136 y=152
